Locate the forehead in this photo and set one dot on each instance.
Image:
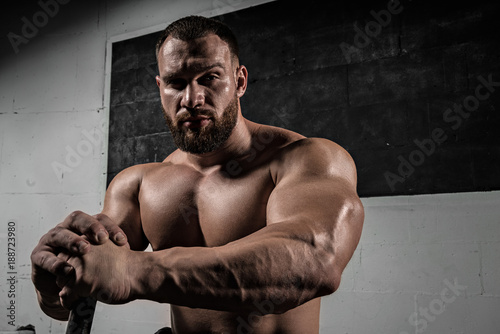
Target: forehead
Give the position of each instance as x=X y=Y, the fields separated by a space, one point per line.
x=177 y=55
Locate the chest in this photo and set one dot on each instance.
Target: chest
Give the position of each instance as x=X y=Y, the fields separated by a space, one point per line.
x=187 y=209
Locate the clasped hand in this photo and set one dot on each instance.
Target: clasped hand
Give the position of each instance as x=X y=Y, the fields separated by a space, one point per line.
x=83 y=256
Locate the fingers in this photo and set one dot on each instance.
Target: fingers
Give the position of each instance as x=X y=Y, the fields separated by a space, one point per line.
x=73 y=286
x=48 y=261
x=68 y=296
x=45 y=268
x=52 y=266
x=61 y=238
x=75 y=232
x=116 y=234
x=84 y=224
x=63 y=256
x=71 y=236
x=63 y=279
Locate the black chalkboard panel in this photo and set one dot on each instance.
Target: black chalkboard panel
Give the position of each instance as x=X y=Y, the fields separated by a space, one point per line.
x=410 y=89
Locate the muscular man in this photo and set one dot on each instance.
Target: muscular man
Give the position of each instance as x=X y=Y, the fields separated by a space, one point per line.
x=249 y=224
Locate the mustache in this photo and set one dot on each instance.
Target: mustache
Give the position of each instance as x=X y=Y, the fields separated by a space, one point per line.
x=188 y=114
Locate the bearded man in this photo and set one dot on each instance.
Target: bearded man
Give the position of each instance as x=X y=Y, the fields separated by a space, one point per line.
x=249 y=224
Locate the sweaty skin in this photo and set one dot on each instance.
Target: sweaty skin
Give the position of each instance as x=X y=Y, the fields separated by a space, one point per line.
x=245 y=238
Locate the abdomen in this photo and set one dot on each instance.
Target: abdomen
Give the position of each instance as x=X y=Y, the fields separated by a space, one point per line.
x=300 y=320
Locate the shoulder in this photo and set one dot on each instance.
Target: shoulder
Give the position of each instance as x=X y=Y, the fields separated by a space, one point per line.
x=314 y=157
x=313 y=148
x=292 y=145
x=294 y=154
x=133 y=176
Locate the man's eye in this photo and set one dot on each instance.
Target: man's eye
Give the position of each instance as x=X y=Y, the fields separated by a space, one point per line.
x=209 y=77
x=175 y=82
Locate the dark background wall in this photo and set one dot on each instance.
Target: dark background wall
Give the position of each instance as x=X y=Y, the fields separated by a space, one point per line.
x=405 y=96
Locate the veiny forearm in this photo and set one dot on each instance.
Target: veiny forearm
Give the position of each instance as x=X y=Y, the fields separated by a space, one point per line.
x=273 y=264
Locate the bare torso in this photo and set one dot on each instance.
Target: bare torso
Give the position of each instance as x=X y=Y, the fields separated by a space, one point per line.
x=249 y=230
x=184 y=207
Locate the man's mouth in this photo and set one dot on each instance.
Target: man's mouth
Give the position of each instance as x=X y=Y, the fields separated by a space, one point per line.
x=196 y=122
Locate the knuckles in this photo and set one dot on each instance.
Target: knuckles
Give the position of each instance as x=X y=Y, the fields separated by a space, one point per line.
x=76 y=214
x=104 y=220
x=101 y=217
x=81 y=223
x=53 y=233
x=73 y=219
x=35 y=257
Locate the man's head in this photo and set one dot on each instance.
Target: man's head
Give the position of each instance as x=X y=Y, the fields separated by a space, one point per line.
x=193 y=27
x=200 y=83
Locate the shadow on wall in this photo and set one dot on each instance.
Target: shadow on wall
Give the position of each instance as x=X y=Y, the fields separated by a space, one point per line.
x=26 y=26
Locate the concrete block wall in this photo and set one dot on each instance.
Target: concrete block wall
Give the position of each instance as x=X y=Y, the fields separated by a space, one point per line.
x=53 y=112
x=425 y=264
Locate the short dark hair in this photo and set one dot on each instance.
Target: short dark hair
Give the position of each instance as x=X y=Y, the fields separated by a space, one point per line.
x=192 y=27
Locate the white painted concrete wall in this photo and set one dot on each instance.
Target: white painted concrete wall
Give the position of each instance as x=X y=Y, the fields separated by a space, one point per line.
x=52 y=95
x=411 y=251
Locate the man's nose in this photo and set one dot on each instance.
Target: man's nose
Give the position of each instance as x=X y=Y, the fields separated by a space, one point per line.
x=193 y=97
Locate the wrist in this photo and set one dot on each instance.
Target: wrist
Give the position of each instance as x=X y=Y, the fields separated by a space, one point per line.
x=151 y=277
x=139 y=273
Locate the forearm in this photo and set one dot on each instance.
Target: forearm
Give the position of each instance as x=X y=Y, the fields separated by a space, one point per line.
x=52 y=307
x=270 y=265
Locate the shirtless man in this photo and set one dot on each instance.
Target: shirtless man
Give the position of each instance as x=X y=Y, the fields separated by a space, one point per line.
x=249 y=224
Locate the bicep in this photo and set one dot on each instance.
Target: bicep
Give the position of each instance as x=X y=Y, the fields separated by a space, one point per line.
x=319 y=192
x=121 y=205
x=318 y=200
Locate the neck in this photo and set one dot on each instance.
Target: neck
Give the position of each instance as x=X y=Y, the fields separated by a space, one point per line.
x=238 y=144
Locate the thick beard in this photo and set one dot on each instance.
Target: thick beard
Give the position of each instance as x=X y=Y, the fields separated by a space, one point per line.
x=206 y=139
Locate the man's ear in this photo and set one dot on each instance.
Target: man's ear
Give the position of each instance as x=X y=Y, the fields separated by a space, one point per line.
x=158 y=80
x=241 y=80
